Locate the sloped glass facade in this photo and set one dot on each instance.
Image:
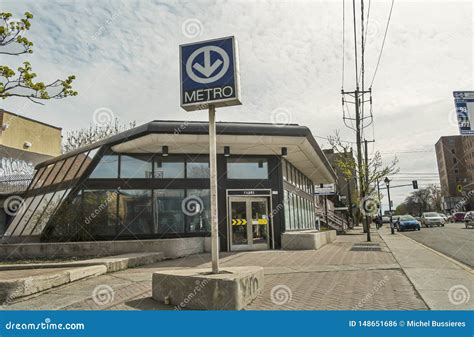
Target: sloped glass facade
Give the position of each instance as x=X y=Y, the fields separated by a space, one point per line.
x=49 y=187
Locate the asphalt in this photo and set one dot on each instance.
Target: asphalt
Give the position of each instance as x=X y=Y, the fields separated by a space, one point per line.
x=442 y=282
x=453 y=240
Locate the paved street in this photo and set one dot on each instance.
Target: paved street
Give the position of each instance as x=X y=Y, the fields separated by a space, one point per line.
x=453 y=240
x=335 y=277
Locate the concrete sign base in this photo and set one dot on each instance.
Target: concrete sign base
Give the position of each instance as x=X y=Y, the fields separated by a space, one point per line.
x=232 y=289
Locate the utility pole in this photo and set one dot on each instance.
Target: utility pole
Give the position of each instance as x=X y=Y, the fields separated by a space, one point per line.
x=359 y=118
x=367 y=217
x=378 y=195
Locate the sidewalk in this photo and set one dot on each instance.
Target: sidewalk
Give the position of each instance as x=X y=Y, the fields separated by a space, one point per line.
x=348 y=274
x=443 y=283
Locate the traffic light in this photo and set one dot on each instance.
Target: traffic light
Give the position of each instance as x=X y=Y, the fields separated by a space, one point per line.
x=415 y=184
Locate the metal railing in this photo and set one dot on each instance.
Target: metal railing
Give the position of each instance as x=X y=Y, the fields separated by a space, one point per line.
x=334 y=221
x=15 y=183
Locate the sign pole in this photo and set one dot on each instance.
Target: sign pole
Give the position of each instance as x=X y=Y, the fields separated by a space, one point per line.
x=213 y=178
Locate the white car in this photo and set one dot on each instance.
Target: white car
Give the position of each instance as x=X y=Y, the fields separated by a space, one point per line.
x=444 y=216
x=430 y=219
x=469 y=219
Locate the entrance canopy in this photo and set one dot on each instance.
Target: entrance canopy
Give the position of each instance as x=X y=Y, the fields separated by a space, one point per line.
x=183 y=137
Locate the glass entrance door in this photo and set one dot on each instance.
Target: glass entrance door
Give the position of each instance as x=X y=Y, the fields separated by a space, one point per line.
x=248 y=223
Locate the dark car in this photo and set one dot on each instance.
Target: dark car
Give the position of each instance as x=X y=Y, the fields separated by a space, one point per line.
x=458 y=216
x=407 y=222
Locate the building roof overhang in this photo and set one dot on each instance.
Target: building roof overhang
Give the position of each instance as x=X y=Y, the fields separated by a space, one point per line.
x=184 y=137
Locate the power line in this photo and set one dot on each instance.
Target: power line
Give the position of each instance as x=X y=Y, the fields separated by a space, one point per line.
x=355 y=44
x=383 y=43
x=343 y=40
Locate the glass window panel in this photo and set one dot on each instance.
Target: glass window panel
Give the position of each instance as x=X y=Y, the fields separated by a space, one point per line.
x=106 y=168
x=44 y=176
x=36 y=215
x=100 y=212
x=292 y=210
x=247 y=168
x=36 y=178
x=135 y=212
x=169 y=168
x=57 y=167
x=67 y=222
x=168 y=211
x=198 y=210
x=76 y=165
x=286 y=209
x=48 y=212
x=135 y=166
x=198 y=169
x=62 y=173
x=283 y=168
x=18 y=217
x=290 y=173
x=27 y=214
x=87 y=157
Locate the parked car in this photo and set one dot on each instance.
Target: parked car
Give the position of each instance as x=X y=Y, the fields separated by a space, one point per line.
x=444 y=216
x=458 y=216
x=469 y=219
x=386 y=219
x=430 y=219
x=407 y=222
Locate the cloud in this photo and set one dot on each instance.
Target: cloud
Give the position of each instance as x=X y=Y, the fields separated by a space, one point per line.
x=125 y=57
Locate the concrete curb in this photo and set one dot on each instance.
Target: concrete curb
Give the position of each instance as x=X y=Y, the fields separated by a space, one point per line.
x=24 y=286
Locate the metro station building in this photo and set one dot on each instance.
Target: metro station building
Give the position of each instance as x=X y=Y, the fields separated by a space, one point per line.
x=152 y=182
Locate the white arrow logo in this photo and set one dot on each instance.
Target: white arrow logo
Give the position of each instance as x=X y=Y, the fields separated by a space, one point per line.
x=208 y=68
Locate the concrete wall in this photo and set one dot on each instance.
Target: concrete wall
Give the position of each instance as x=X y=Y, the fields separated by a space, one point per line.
x=44 y=139
x=306 y=240
x=172 y=248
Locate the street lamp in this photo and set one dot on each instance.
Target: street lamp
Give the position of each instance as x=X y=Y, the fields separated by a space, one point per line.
x=387 y=183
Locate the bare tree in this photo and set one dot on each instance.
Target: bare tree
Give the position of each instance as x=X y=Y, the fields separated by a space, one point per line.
x=82 y=137
x=376 y=168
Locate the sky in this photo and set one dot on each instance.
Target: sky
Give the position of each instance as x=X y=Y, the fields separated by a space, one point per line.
x=125 y=56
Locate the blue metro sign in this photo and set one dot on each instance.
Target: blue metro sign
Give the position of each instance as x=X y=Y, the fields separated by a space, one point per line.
x=209 y=74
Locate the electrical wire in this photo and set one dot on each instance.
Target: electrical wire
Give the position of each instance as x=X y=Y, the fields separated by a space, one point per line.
x=383 y=43
x=343 y=41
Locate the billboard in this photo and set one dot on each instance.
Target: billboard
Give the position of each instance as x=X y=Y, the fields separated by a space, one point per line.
x=464 y=102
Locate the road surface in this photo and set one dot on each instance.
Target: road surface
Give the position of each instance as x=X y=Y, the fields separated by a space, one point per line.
x=453 y=240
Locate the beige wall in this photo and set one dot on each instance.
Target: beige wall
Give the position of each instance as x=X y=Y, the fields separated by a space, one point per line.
x=44 y=139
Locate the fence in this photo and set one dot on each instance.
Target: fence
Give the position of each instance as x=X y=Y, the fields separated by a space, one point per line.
x=14 y=183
